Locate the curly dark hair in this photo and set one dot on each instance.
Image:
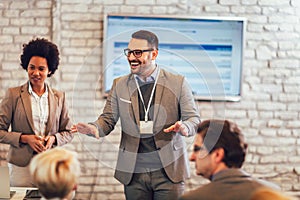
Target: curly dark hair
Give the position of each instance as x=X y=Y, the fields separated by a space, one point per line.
x=43 y=48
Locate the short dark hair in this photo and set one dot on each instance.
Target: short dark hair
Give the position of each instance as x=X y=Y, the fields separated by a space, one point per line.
x=146 y=35
x=226 y=135
x=43 y=48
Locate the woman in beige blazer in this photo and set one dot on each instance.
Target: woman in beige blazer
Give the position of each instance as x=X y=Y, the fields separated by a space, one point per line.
x=33 y=117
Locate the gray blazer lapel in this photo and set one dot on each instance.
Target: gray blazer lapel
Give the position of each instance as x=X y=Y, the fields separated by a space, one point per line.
x=134 y=98
x=25 y=96
x=158 y=94
x=53 y=101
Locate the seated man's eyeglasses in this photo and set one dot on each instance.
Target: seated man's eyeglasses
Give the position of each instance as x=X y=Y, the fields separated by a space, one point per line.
x=136 y=52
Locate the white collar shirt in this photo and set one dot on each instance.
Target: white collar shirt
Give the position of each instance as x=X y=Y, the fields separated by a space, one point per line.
x=40 y=110
x=150 y=78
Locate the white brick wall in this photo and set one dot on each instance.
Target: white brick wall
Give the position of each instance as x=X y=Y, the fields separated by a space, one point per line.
x=269 y=112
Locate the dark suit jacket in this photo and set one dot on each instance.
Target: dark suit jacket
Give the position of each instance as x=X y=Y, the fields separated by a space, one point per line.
x=173 y=102
x=15 y=111
x=230 y=184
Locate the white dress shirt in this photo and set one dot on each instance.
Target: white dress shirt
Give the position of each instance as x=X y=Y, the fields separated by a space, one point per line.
x=40 y=110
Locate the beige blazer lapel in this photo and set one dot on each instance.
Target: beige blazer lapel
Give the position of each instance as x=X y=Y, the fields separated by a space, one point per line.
x=132 y=87
x=25 y=96
x=53 y=101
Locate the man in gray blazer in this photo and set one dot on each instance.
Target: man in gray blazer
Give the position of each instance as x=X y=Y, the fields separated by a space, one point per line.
x=157 y=110
x=219 y=153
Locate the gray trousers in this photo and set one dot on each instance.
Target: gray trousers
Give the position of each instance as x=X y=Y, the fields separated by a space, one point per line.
x=153 y=185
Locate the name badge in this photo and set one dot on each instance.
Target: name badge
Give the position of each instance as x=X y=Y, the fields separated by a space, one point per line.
x=146 y=127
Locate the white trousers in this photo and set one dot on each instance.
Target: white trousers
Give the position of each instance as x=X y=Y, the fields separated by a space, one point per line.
x=20 y=176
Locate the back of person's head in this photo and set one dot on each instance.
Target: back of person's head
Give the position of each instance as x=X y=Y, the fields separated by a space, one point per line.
x=147 y=35
x=55 y=172
x=226 y=135
x=265 y=193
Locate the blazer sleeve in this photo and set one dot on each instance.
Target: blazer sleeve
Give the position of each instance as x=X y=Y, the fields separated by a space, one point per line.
x=110 y=115
x=7 y=108
x=63 y=135
x=189 y=113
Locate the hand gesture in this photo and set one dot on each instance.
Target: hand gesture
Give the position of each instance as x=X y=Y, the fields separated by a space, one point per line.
x=34 y=141
x=178 y=127
x=49 y=140
x=85 y=129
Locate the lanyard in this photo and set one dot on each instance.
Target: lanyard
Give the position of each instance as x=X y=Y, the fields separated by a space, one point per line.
x=152 y=93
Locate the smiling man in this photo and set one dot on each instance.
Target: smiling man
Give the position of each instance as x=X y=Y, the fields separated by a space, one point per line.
x=219 y=153
x=157 y=110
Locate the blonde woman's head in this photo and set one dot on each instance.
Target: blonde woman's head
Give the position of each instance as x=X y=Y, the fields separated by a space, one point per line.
x=55 y=172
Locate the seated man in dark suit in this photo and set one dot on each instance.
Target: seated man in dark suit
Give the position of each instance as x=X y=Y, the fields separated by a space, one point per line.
x=219 y=153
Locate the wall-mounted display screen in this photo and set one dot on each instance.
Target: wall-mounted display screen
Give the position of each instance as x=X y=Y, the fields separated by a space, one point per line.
x=208 y=51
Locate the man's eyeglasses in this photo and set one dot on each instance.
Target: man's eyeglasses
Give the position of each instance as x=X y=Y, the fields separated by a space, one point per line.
x=136 y=52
